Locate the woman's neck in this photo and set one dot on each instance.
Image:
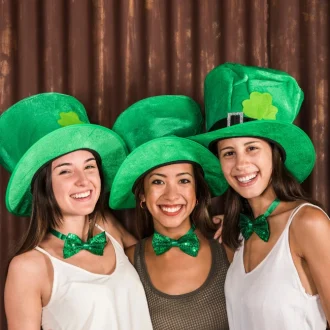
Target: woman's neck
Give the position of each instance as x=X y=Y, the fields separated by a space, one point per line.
x=173 y=232
x=260 y=204
x=74 y=225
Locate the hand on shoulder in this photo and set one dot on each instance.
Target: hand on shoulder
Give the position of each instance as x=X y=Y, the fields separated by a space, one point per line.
x=218 y=220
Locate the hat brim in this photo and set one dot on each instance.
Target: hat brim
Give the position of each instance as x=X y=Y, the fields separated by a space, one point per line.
x=159 y=152
x=297 y=146
x=104 y=141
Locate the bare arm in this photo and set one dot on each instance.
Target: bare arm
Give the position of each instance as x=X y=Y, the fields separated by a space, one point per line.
x=218 y=219
x=23 y=302
x=312 y=233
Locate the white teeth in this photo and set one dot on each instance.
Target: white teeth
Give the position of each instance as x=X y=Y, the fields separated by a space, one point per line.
x=82 y=195
x=247 y=178
x=171 y=209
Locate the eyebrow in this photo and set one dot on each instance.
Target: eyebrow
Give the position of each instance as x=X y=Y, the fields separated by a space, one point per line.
x=164 y=176
x=245 y=144
x=68 y=164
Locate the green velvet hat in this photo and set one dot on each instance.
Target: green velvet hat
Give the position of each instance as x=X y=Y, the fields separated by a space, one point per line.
x=43 y=127
x=258 y=102
x=154 y=130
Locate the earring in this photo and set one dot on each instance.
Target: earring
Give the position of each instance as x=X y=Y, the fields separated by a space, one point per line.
x=141 y=204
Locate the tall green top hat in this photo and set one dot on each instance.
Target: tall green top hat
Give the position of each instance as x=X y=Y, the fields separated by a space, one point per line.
x=260 y=102
x=154 y=130
x=42 y=127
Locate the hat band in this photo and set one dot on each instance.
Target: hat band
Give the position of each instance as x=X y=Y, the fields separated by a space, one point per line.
x=233 y=118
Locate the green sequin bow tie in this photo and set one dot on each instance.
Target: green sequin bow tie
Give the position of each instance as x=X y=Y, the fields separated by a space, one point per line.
x=259 y=225
x=73 y=244
x=187 y=243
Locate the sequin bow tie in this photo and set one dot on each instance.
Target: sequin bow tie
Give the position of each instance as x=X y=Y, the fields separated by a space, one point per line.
x=187 y=243
x=259 y=225
x=73 y=244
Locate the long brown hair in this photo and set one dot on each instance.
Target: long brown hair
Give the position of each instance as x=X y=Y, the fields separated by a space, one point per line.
x=200 y=216
x=285 y=186
x=46 y=213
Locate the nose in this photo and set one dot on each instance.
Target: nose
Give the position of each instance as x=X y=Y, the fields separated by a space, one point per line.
x=171 y=192
x=242 y=161
x=81 y=179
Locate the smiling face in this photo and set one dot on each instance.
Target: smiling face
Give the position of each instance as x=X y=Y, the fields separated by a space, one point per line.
x=76 y=183
x=247 y=164
x=169 y=194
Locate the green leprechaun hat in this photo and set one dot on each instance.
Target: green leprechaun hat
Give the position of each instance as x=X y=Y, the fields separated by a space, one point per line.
x=259 y=102
x=155 y=131
x=40 y=128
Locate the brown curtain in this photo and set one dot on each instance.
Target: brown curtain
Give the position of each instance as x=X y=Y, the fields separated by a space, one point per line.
x=111 y=53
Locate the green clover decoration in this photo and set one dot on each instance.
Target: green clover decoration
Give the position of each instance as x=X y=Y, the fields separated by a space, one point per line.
x=69 y=118
x=259 y=106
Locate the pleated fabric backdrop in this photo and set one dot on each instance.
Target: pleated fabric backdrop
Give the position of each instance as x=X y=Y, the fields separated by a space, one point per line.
x=111 y=53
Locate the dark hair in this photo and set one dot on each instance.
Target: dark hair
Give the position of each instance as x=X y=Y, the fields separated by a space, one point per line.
x=285 y=186
x=200 y=216
x=46 y=213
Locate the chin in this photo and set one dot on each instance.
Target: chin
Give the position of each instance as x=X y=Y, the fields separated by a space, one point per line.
x=83 y=212
x=172 y=223
x=253 y=193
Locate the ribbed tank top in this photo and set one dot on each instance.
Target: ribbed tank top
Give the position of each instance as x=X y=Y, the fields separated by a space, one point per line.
x=271 y=296
x=201 y=309
x=81 y=300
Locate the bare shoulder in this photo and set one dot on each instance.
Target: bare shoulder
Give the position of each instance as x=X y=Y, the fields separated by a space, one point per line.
x=111 y=225
x=310 y=225
x=29 y=270
x=27 y=281
x=130 y=251
x=31 y=262
x=310 y=219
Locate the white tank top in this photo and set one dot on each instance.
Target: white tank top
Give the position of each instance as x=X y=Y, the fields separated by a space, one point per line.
x=81 y=300
x=271 y=296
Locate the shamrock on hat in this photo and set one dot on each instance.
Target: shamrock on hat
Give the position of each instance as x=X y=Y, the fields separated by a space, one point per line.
x=257 y=102
x=43 y=127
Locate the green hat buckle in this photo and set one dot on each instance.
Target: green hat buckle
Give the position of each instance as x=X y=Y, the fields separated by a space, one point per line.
x=247 y=101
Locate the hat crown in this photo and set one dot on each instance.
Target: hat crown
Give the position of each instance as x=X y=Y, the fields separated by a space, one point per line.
x=252 y=92
x=159 y=116
x=30 y=119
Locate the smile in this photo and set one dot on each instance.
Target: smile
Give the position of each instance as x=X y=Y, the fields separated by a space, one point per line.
x=246 y=178
x=81 y=195
x=171 y=210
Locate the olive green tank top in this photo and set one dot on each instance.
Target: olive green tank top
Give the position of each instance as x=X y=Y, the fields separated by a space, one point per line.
x=201 y=309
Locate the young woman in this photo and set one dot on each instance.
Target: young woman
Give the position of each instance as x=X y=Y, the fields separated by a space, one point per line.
x=71 y=271
x=279 y=238
x=167 y=178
